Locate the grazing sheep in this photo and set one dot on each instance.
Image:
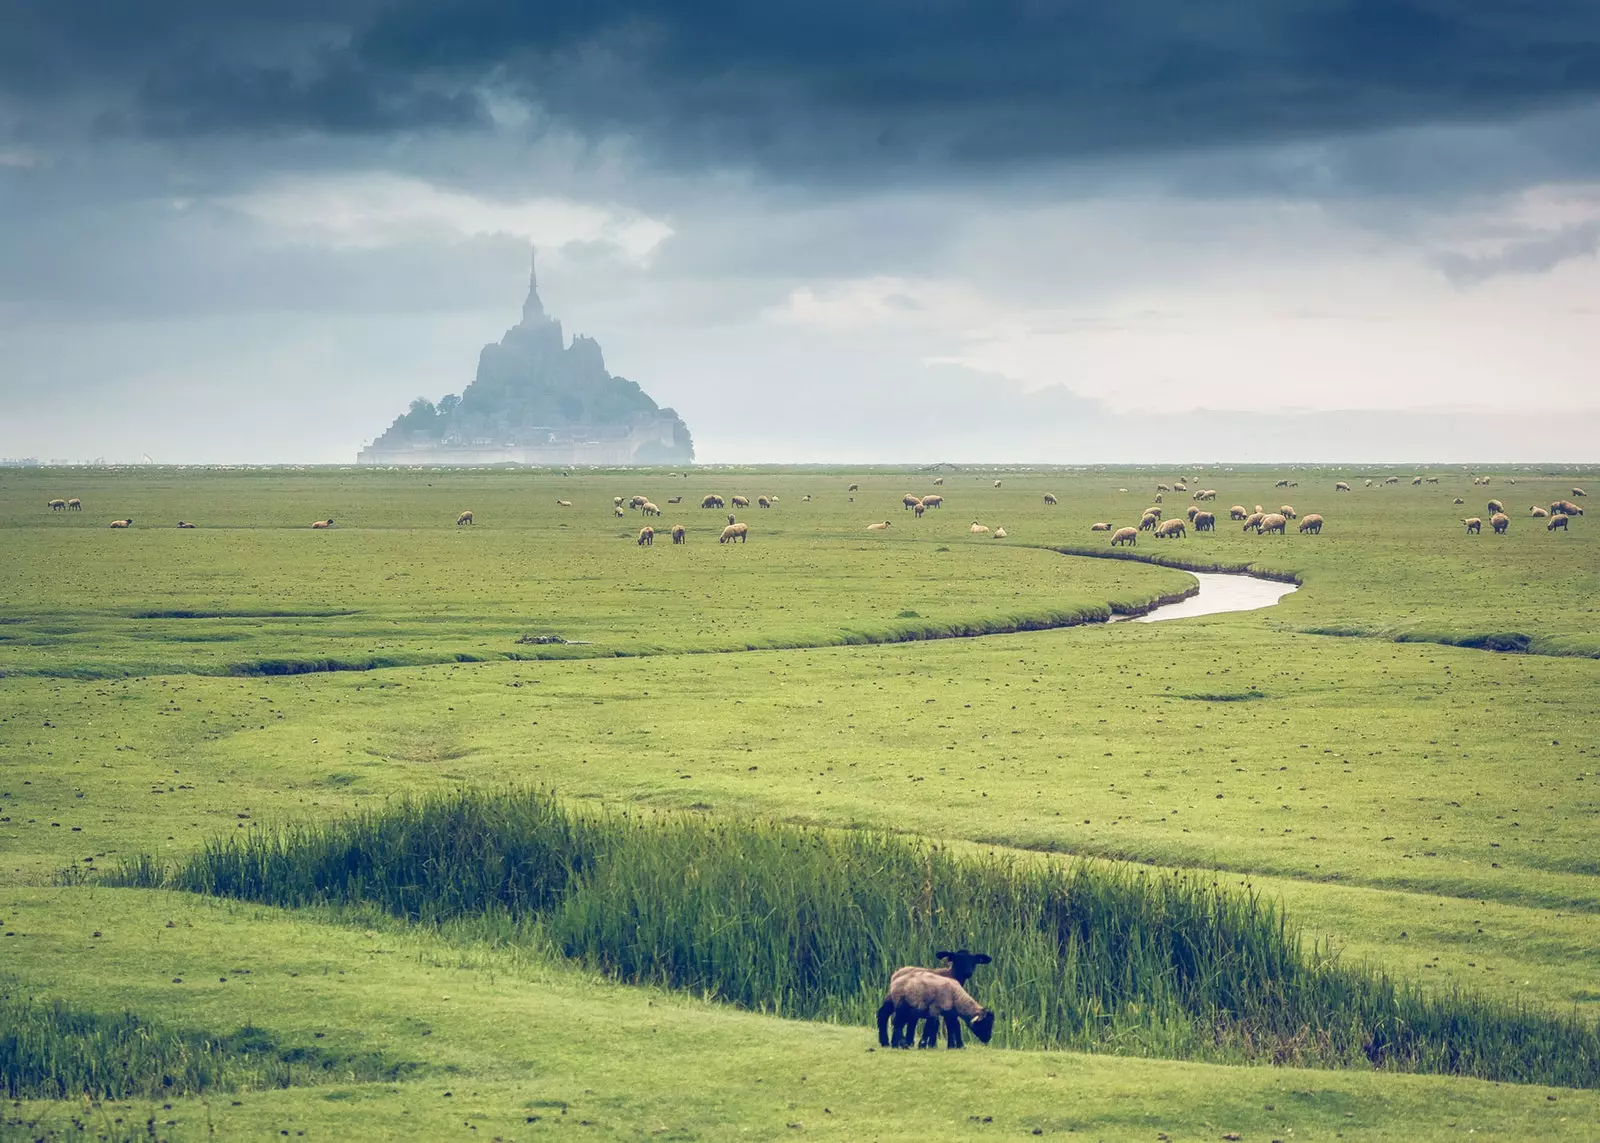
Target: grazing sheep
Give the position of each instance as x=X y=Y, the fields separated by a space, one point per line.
x=919 y=509
x=1369 y=484
x=616 y=502
x=1432 y=480
x=638 y=502
x=1147 y=522
x=57 y=505
x=1281 y=484
x=1566 y=508
x=464 y=518
x=76 y=505
x=1499 y=522
x=1495 y=506
x=328 y=523
x=1102 y=526
x=741 y=501
x=909 y=501
x=1180 y=486
x=1458 y=500
x=1559 y=520
x=1252 y=522
x=1153 y=510
x=1415 y=481
x=1158 y=498
x=185 y=524
x=563 y=504
x=1311 y=523
x=763 y=502
x=1162 y=488
x=1391 y=480
x=853 y=488
x=806 y=499
x=938 y=480
x=977 y=528
x=1273 y=522
x=1340 y=486
x=1537 y=512
x=1128 y=536
x=1294 y=484
x=883 y=527
x=1575 y=492
x=647 y=536
x=1287 y=511
x=128 y=523
x=732 y=532
x=649 y=509
x=999 y=533
x=997 y=484
x=1205 y=521
x=934 y=501
x=1474 y=525
x=932 y=999
x=675 y=500
x=1171 y=529
x=679 y=533
x=618 y=512
x=712 y=501
x=1237 y=512
x=1049 y=500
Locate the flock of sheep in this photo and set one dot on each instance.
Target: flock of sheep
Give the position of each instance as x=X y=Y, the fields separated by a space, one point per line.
x=1261 y=521
x=1556 y=517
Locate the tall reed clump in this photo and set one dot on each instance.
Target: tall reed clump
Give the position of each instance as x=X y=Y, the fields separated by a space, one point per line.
x=810 y=923
x=52 y=1050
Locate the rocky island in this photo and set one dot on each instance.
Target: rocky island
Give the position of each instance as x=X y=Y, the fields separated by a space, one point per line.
x=540 y=401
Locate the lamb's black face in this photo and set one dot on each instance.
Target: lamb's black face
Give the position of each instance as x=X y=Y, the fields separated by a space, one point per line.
x=983 y=1026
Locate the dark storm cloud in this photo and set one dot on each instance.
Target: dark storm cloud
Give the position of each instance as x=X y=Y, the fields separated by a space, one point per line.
x=1535 y=255
x=815 y=87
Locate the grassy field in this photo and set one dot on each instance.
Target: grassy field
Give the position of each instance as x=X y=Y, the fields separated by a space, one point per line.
x=1429 y=809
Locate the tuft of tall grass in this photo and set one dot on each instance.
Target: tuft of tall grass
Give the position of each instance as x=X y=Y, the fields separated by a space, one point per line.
x=52 y=1050
x=810 y=923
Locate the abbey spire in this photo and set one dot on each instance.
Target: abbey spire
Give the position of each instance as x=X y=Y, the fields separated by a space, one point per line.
x=533 y=309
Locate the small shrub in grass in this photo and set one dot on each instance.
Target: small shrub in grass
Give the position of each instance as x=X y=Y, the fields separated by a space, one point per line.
x=52 y=1050
x=810 y=923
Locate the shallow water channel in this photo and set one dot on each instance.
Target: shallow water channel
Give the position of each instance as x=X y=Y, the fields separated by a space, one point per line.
x=1219 y=592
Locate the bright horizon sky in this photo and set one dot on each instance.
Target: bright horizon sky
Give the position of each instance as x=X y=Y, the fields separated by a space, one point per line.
x=821 y=232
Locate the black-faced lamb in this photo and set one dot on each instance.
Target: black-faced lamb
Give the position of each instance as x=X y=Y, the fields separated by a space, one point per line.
x=1559 y=520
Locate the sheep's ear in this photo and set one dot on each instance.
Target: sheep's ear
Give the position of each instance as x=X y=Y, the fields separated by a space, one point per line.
x=945 y=956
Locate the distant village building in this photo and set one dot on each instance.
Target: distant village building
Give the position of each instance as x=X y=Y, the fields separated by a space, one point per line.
x=537 y=401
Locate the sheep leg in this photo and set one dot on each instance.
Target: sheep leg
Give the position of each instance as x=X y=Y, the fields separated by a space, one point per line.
x=952 y=1030
x=885 y=1010
x=930 y=1032
x=902 y=1038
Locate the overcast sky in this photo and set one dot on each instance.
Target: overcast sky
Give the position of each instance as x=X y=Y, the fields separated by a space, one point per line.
x=821 y=230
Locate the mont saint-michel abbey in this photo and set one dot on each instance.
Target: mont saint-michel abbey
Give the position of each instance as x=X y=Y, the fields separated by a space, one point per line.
x=538 y=401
